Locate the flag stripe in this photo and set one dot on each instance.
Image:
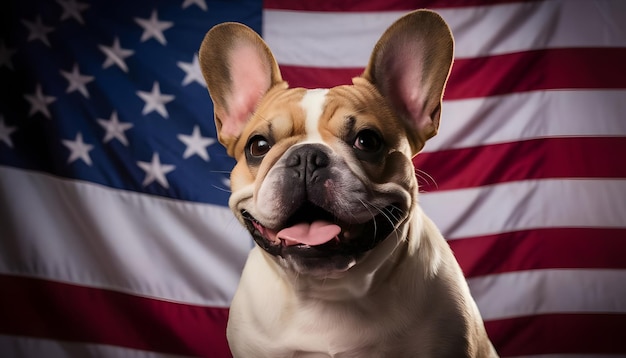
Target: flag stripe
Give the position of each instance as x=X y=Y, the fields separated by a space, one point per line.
x=498 y=296
x=501 y=74
x=532 y=115
x=531 y=292
x=376 y=5
x=595 y=334
x=552 y=24
x=537 y=70
x=318 y=77
x=18 y=346
x=530 y=159
x=165 y=326
x=560 y=248
x=140 y=240
x=297 y=39
x=530 y=204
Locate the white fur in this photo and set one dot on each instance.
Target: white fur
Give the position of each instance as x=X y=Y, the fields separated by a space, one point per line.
x=313 y=105
x=361 y=314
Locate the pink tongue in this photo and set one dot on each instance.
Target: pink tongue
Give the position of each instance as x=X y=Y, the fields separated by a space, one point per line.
x=315 y=233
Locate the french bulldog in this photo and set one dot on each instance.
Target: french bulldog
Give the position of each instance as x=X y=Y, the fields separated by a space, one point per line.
x=346 y=263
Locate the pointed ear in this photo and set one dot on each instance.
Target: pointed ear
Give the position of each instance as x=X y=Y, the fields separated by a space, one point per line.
x=410 y=65
x=239 y=69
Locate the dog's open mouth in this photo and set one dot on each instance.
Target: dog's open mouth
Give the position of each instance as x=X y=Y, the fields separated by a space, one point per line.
x=312 y=232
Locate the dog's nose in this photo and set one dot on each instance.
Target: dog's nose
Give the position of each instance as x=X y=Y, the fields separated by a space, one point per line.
x=307 y=161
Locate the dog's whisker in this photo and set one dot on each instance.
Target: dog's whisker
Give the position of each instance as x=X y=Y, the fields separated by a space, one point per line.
x=387 y=214
x=367 y=207
x=426 y=177
x=221 y=189
x=400 y=212
x=220 y=171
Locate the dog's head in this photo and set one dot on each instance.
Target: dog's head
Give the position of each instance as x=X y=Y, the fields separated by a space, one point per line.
x=324 y=176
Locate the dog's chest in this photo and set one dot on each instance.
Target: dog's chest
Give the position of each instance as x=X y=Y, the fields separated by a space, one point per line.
x=331 y=333
x=323 y=330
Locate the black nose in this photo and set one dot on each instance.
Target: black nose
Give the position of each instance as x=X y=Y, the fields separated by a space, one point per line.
x=309 y=162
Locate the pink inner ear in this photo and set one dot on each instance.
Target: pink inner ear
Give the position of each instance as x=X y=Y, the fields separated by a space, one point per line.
x=251 y=79
x=406 y=84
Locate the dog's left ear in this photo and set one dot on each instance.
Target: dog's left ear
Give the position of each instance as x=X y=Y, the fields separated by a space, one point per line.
x=410 y=65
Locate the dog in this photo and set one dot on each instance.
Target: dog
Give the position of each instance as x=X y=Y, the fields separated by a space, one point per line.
x=346 y=263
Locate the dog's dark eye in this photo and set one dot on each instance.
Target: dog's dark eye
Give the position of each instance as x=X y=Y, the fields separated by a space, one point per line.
x=258 y=146
x=368 y=140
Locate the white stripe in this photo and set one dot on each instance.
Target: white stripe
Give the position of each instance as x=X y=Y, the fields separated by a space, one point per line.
x=313 y=104
x=88 y=234
x=332 y=39
x=531 y=115
x=324 y=39
x=478 y=31
x=14 y=346
x=535 y=292
x=529 y=204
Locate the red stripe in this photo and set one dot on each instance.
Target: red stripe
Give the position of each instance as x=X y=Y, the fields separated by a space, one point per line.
x=501 y=74
x=376 y=5
x=568 y=157
x=559 y=333
x=591 y=248
x=537 y=70
x=317 y=77
x=68 y=312
x=60 y=311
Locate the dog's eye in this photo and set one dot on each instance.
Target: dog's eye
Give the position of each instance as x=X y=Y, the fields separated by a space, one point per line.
x=368 y=140
x=258 y=146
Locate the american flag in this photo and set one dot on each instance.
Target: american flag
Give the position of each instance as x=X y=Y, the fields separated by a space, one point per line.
x=115 y=238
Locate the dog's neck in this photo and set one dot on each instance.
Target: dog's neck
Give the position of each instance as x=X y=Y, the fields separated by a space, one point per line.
x=375 y=269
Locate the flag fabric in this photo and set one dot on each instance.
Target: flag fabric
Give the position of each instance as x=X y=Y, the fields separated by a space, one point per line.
x=115 y=236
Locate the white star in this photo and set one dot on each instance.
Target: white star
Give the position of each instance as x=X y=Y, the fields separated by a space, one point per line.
x=201 y=4
x=152 y=27
x=196 y=144
x=78 y=149
x=39 y=102
x=72 y=9
x=77 y=82
x=156 y=171
x=38 y=31
x=115 y=55
x=5 y=132
x=192 y=71
x=155 y=101
x=115 y=129
x=5 y=55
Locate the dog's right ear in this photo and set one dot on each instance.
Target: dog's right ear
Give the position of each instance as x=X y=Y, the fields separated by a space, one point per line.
x=239 y=69
x=410 y=65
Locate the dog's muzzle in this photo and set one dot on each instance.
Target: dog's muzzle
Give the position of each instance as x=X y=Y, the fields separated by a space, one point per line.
x=334 y=253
